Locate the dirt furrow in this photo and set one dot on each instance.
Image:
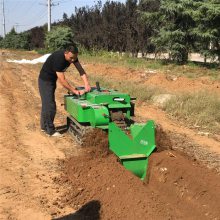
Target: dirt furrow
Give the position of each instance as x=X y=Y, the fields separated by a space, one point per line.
x=29 y=158
x=38 y=181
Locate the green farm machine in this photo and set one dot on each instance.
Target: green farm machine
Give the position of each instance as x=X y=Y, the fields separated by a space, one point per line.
x=112 y=111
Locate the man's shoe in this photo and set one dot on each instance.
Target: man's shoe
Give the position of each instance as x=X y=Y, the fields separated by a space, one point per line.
x=56 y=134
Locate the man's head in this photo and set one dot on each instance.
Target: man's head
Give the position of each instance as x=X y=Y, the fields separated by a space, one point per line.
x=71 y=53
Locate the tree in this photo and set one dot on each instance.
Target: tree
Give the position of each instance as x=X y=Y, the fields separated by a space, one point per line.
x=114 y=26
x=148 y=11
x=14 y=40
x=58 y=38
x=173 y=25
x=24 y=40
x=207 y=30
x=132 y=27
x=10 y=40
x=37 y=37
x=176 y=32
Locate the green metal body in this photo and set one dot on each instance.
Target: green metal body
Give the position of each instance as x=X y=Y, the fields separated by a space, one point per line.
x=133 y=151
x=93 y=109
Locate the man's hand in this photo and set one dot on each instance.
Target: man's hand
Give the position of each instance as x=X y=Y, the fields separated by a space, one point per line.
x=87 y=87
x=78 y=92
x=62 y=80
x=81 y=92
x=86 y=82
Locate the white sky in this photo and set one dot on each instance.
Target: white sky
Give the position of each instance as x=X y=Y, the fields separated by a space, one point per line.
x=26 y=14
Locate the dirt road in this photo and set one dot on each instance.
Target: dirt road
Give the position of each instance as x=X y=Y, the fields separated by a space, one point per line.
x=46 y=178
x=29 y=159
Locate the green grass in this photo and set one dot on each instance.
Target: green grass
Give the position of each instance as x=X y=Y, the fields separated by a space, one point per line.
x=142 y=92
x=125 y=61
x=200 y=110
x=191 y=70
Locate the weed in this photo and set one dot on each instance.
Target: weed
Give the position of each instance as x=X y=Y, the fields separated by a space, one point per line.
x=199 y=110
x=191 y=70
x=142 y=92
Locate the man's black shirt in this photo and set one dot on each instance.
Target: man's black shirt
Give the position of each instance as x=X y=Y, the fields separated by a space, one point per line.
x=55 y=63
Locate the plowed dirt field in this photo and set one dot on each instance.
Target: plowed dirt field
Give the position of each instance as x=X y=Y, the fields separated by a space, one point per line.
x=53 y=178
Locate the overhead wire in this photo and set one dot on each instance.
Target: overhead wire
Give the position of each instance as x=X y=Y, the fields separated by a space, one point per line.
x=28 y=17
x=61 y=2
x=37 y=17
x=15 y=5
x=24 y=8
x=28 y=10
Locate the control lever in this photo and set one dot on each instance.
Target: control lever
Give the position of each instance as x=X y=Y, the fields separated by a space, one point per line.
x=98 y=86
x=78 y=95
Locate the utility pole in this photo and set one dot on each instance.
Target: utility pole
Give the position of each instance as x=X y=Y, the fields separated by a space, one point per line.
x=3 y=14
x=16 y=26
x=49 y=5
x=49 y=14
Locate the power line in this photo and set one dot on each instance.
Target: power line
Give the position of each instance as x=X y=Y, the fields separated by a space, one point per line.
x=62 y=2
x=17 y=25
x=28 y=11
x=15 y=6
x=49 y=5
x=37 y=17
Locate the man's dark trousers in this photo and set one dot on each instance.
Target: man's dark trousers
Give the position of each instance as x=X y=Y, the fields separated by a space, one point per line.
x=48 y=110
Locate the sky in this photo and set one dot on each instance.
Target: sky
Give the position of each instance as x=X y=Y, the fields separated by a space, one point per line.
x=26 y=14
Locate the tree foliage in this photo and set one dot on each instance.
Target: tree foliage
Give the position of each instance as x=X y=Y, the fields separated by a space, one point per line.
x=14 y=40
x=58 y=38
x=207 y=30
x=114 y=26
x=174 y=23
x=182 y=26
x=37 y=37
x=176 y=27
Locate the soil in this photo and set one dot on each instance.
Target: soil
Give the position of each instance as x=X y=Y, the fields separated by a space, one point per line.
x=54 y=178
x=175 y=189
x=167 y=81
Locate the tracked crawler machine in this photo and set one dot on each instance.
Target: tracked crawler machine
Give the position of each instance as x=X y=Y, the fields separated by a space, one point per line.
x=111 y=111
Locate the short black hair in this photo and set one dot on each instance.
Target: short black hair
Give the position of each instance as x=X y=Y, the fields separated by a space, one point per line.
x=72 y=48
